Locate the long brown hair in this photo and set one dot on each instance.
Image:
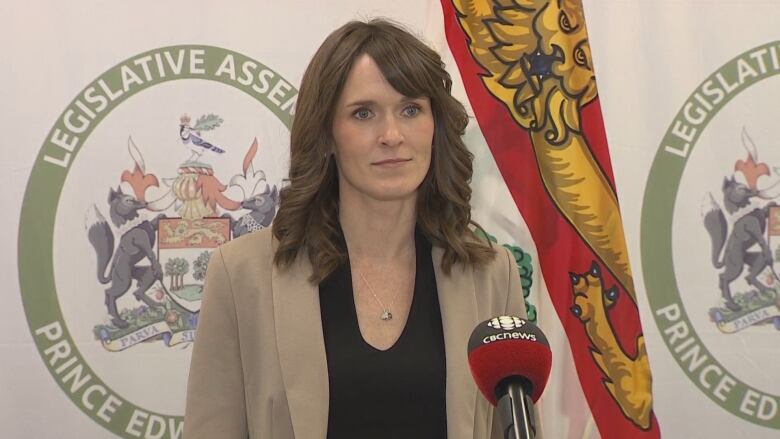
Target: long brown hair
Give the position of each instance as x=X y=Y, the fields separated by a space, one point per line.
x=309 y=207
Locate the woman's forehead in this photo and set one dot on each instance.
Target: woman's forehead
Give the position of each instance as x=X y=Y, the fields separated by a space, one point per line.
x=366 y=83
x=365 y=72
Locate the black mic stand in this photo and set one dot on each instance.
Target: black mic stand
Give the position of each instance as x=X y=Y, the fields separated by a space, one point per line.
x=516 y=410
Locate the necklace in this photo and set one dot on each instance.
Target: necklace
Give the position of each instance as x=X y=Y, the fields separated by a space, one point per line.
x=386 y=314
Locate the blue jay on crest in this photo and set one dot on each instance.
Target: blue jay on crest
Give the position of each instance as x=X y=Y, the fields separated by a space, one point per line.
x=191 y=135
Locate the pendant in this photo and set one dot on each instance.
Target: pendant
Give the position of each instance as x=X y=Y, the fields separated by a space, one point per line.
x=386 y=315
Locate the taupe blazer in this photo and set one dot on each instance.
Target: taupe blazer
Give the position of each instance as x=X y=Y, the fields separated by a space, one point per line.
x=259 y=367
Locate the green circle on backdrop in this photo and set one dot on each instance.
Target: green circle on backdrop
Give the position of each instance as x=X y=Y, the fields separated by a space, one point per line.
x=39 y=209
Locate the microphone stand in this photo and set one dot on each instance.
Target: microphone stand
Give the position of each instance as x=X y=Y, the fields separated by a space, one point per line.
x=516 y=410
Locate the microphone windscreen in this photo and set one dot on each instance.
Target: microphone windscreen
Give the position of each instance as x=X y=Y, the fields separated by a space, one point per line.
x=508 y=346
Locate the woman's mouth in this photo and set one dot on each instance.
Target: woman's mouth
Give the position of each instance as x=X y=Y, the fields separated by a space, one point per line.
x=391 y=163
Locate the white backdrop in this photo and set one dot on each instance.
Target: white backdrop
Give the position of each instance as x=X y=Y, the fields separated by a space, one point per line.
x=649 y=58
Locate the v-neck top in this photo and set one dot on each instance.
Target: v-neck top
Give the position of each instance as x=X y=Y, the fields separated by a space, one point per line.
x=396 y=393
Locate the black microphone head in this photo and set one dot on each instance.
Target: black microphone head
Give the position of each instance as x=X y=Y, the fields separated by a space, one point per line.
x=507 y=346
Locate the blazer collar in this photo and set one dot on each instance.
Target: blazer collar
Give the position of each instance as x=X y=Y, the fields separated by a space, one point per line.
x=303 y=360
x=458 y=304
x=301 y=347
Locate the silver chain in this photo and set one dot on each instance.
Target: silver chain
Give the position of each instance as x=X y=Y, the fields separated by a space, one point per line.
x=386 y=314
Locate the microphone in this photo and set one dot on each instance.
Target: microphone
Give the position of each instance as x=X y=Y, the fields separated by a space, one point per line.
x=510 y=361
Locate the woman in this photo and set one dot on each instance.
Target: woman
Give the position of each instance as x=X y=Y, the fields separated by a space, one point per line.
x=350 y=317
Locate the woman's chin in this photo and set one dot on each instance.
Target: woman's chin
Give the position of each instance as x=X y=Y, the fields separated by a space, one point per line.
x=391 y=194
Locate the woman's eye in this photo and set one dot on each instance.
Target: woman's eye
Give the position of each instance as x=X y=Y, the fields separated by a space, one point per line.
x=411 y=111
x=362 y=114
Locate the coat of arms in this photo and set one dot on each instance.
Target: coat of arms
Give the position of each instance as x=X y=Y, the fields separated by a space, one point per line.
x=156 y=240
x=746 y=245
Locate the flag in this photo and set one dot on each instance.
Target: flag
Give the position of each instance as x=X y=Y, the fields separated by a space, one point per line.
x=528 y=74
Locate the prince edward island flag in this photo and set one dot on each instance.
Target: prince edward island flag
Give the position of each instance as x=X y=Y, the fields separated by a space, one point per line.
x=527 y=70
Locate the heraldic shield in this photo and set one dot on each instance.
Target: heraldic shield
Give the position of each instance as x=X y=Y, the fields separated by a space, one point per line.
x=184 y=249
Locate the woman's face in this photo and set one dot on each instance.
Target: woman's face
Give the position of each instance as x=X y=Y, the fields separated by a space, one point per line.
x=383 y=138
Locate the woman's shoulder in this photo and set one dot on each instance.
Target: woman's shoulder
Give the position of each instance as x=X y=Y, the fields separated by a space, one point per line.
x=499 y=266
x=256 y=248
x=496 y=266
x=499 y=280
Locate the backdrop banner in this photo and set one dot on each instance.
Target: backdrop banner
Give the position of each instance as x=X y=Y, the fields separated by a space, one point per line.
x=140 y=136
x=689 y=92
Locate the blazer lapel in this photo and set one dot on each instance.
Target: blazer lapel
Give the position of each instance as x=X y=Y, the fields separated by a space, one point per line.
x=457 y=300
x=301 y=348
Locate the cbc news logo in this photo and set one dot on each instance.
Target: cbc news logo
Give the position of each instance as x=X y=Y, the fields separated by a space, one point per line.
x=506 y=323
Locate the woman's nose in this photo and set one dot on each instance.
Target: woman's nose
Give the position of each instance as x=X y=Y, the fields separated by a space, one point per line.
x=391 y=132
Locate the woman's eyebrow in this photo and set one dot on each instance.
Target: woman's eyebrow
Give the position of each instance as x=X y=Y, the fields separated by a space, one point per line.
x=370 y=102
x=361 y=103
x=408 y=99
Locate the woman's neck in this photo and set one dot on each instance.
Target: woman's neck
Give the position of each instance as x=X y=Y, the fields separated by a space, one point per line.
x=378 y=231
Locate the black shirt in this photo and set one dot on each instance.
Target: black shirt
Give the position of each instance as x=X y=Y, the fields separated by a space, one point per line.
x=397 y=393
